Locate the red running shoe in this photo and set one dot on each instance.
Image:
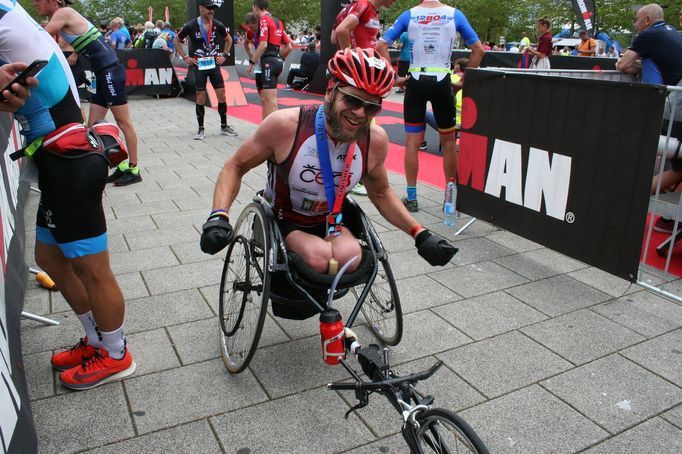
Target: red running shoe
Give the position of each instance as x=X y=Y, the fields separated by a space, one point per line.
x=74 y=356
x=97 y=370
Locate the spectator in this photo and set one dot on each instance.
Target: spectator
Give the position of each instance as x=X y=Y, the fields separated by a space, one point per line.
x=612 y=53
x=309 y=63
x=357 y=25
x=600 y=52
x=71 y=233
x=205 y=58
x=118 y=38
x=150 y=34
x=565 y=52
x=124 y=29
x=404 y=57
x=430 y=82
x=544 y=49
x=587 y=47
x=162 y=42
x=524 y=43
x=167 y=29
x=656 y=53
x=486 y=46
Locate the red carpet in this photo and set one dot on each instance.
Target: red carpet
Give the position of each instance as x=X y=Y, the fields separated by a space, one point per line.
x=652 y=257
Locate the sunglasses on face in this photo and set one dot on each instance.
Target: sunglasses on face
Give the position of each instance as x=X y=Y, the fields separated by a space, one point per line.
x=355 y=102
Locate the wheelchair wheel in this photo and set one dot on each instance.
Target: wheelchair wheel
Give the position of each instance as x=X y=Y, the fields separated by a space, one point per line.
x=382 y=308
x=244 y=290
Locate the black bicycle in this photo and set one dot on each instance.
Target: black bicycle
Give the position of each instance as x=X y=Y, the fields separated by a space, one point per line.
x=425 y=428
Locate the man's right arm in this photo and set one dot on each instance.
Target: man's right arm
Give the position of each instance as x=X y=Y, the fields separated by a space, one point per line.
x=344 y=30
x=629 y=62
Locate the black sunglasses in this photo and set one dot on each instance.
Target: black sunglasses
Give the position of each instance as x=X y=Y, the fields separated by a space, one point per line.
x=355 y=102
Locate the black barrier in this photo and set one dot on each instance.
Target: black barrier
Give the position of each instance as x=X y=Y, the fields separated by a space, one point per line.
x=513 y=60
x=148 y=72
x=564 y=162
x=17 y=431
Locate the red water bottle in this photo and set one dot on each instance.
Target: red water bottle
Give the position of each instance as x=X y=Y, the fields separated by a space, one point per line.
x=331 y=334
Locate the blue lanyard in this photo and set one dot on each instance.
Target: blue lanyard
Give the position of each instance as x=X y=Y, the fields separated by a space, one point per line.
x=207 y=35
x=334 y=199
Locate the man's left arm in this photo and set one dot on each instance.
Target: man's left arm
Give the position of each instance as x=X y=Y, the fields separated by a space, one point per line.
x=629 y=63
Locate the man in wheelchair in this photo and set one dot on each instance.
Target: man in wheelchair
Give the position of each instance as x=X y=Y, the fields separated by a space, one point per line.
x=311 y=169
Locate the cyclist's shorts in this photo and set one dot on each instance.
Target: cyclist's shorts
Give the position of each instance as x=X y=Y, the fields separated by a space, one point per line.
x=70 y=214
x=272 y=68
x=442 y=98
x=286 y=227
x=214 y=75
x=111 y=87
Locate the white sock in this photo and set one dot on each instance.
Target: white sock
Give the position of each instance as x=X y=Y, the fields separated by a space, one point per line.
x=91 y=330
x=114 y=342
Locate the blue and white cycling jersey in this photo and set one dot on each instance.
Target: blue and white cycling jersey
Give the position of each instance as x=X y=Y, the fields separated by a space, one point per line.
x=54 y=102
x=431 y=32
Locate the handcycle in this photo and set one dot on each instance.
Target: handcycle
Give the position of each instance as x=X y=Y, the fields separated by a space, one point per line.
x=259 y=270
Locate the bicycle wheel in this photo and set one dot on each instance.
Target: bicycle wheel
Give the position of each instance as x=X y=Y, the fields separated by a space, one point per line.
x=244 y=290
x=442 y=431
x=382 y=308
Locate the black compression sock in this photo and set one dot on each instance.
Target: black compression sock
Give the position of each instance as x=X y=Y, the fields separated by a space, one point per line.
x=222 y=110
x=200 y=115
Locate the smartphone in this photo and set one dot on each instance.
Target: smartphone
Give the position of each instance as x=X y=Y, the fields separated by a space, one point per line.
x=31 y=70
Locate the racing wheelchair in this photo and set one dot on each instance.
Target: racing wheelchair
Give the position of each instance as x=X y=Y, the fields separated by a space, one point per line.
x=259 y=270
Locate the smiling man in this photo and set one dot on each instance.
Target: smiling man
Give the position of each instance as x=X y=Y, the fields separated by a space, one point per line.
x=340 y=130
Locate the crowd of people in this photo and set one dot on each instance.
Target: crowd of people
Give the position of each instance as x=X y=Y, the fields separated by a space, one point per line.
x=71 y=238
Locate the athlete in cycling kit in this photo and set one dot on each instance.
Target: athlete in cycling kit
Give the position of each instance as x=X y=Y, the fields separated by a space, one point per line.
x=110 y=75
x=431 y=29
x=71 y=234
x=357 y=25
x=271 y=37
x=356 y=149
x=206 y=57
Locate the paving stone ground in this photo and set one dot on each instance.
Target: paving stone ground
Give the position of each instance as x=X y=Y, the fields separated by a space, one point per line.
x=543 y=354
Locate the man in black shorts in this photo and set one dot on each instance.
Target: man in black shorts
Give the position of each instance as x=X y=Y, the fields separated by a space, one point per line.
x=205 y=58
x=271 y=37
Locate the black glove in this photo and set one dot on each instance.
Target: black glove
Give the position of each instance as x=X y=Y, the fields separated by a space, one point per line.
x=433 y=248
x=217 y=233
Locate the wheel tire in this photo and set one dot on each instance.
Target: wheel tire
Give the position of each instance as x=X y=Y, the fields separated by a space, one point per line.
x=244 y=290
x=441 y=431
x=382 y=308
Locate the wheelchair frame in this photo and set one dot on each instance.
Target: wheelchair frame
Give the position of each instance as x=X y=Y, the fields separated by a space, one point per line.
x=278 y=261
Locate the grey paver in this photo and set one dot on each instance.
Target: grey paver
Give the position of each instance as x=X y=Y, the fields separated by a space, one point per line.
x=142 y=259
x=162 y=237
x=644 y=313
x=195 y=437
x=308 y=423
x=478 y=278
x=164 y=310
x=614 y=392
x=422 y=292
x=36 y=337
x=558 y=295
x=85 y=419
x=513 y=242
x=654 y=435
x=183 y=277
x=165 y=399
x=36 y=299
x=390 y=445
x=39 y=375
x=160 y=206
x=504 y=363
x=674 y=416
x=489 y=315
x=540 y=263
x=476 y=250
x=152 y=351
x=582 y=336
x=189 y=252
x=661 y=355
x=135 y=224
x=408 y=263
x=601 y=280
x=531 y=420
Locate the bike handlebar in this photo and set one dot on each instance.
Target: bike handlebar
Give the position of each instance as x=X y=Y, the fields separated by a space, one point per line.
x=388 y=383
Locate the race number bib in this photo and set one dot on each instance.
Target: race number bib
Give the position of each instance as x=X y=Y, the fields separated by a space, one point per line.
x=205 y=63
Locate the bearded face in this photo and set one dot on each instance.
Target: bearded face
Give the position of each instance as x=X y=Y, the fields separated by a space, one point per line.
x=347 y=122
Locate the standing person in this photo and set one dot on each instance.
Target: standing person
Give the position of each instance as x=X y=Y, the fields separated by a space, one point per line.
x=524 y=43
x=71 y=235
x=587 y=47
x=357 y=25
x=110 y=78
x=251 y=42
x=271 y=37
x=404 y=57
x=544 y=49
x=205 y=58
x=430 y=81
x=118 y=37
x=167 y=29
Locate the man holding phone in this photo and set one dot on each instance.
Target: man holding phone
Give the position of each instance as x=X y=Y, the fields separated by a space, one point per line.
x=16 y=89
x=87 y=41
x=71 y=233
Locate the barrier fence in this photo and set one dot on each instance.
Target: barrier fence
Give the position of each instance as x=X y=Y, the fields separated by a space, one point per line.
x=17 y=431
x=563 y=161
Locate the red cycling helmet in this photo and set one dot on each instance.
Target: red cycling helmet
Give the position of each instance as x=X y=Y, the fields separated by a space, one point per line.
x=364 y=69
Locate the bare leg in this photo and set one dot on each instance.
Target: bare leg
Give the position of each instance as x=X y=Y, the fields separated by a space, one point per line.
x=52 y=261
x=268 y=100
x=412 y=142
x=317 y=252
x=449 y=156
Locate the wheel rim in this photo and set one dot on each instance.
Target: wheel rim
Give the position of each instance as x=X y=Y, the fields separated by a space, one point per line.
x=380 y=308
x=250 y=292
x=440 y=435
